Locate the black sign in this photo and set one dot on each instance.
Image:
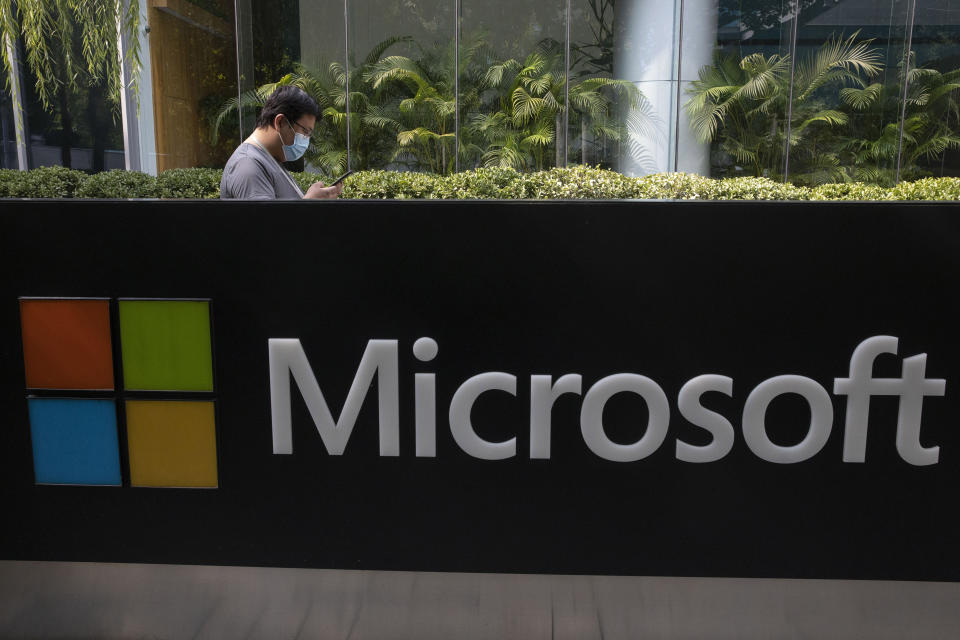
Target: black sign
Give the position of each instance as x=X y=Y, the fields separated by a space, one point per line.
x=643 y=388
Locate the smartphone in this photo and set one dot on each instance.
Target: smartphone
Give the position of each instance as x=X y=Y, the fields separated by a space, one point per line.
x=341 y=178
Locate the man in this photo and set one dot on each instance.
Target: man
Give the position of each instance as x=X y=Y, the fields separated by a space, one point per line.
x=255 y=170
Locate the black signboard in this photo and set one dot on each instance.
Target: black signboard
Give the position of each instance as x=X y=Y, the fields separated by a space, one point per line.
x=560 y=432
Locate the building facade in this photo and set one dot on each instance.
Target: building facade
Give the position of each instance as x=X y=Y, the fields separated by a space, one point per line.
x=810 y=91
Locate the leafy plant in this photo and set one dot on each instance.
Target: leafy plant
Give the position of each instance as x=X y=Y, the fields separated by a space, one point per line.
x=846 y=123
x=520 y=129
x=930 y=126
x=423 y=115
x=927 y=189
x=849 y=191
x=403 y=109
x=390 y=184
x=741 y=104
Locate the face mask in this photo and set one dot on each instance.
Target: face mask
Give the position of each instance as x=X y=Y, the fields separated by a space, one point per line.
x=296 y=150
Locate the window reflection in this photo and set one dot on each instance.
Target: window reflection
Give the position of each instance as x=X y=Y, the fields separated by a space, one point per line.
x=79 y=127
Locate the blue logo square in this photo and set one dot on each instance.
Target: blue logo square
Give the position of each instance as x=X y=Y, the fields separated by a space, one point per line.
x=74 y=441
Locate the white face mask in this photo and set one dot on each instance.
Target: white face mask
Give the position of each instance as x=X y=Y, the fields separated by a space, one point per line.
x=296 y=150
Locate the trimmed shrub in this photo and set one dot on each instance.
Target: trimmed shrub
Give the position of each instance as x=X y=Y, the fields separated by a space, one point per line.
x=304 y=179
x=674 y=186
x=849 y=191
x=7 y=179
x=576 y=182
x=490 y=183
x=118 y=184
x=473 y=184
x=390 y=184
x=927 y=189
x=44 y=182
x=758 y=189
x=189 y=183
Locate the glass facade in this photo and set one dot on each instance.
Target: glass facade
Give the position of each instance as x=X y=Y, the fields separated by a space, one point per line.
x=809 y=91
x=512 y=84
x=734 y=91
x=76 y=129
x=935 y=42
x=192 y=57
x=402 y=88
x=846 y=126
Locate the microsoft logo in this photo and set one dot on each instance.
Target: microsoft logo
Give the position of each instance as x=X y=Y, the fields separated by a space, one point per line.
x=120 y=392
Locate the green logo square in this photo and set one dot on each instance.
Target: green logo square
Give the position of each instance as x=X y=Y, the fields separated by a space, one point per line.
x=165 y=345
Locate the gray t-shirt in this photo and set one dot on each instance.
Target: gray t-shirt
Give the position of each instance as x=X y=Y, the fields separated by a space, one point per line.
x=253 y=174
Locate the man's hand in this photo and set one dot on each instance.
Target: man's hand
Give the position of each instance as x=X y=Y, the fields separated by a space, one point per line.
x=318 y=191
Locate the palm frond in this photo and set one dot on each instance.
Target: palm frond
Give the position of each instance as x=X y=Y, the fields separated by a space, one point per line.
x=837 y=59
x=862 y=98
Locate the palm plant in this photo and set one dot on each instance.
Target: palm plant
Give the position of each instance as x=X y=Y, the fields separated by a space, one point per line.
x=424 y=109
x=519 y=130
x=594 y=105
x=870 y=149
x=932 y=118
x=403 y=108
x=742 y=106
x=423 y=118
x=930 y=125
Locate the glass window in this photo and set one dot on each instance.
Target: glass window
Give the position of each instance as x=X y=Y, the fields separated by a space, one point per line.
x=302 y=42
x=845 y=114
x=8 y=134
x=81 y=130
x=403 y=107
x=734 y=87
x=512 y=83
x=931 y=141
x=622 y=57
x=194 y=75
x=280 y=26
x=645 y=52
x=79 y=127
x=715 y=87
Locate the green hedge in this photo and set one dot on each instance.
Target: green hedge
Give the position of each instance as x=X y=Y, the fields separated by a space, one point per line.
x=118 y=184
x=568 y=183
x=189 y=183
x=45 y=182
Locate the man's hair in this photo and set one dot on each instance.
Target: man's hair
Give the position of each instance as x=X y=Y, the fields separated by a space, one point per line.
x=289 y=101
